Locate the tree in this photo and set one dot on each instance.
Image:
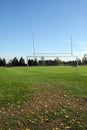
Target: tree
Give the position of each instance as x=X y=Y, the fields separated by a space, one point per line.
x=84 y=59
x=42 y=61
x=30 y=62
x=9 y=64
x=1 y=62
x=4 y=62
x=57 y=61
x=35 y=63
x=79 y=62
x=15 y=62
x=22 y=62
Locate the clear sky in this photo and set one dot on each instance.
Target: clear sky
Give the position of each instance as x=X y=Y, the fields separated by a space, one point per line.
x=53 y=22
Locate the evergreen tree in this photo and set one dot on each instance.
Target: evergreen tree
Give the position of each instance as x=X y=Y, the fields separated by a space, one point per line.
x=4 y=62
x=84 y=59
x=1 y=62
x=15 y=62
x=21 y=61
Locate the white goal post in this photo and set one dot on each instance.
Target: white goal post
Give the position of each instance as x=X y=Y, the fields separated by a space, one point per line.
x=53 y=55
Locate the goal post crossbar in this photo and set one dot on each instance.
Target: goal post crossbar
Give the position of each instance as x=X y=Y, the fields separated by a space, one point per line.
x=50 y=53
x=50 y=56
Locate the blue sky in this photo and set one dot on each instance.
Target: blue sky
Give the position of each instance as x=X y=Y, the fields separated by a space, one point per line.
x=53 y=22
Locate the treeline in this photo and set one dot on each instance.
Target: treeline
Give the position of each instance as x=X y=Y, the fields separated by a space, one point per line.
x=35 y=62
x=49 y=62
x=12 y=62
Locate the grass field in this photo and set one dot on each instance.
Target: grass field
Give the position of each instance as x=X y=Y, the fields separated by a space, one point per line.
x=43 y=98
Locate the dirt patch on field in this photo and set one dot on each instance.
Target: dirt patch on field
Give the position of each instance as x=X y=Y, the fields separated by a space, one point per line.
x=48 y=110
x=56 y=99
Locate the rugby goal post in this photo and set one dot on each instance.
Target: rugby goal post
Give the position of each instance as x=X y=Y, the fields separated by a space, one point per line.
x=53 y=55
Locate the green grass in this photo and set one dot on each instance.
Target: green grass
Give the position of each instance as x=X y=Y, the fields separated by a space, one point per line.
x=43 y=98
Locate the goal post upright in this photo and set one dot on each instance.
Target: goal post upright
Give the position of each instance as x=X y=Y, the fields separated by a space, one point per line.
x=76 y=63
x=33 y=45
x=27 y=64
x=72 y=54
x=71 y=47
